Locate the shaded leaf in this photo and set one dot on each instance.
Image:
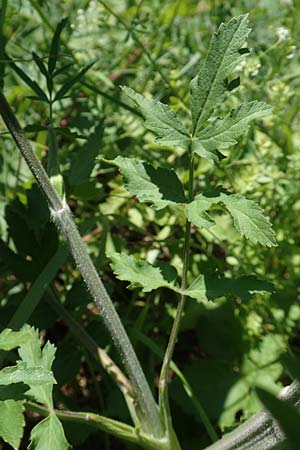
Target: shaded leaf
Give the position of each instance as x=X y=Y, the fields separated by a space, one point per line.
x=161 y=120
x=31 y=83
x=159 y=186
x=70 y=82
x=208 y=88
x=84 y=159
x=206 y=287
x=40 y=64
x=12 y=422
x=53 y=56
x=13 y=391
x=48 y=435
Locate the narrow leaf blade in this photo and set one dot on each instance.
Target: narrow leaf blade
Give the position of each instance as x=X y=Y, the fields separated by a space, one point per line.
x=55 y=45
x=71 y=81
x=31 y=83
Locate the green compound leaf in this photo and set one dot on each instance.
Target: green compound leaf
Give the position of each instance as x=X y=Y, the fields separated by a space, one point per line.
x=10 y=339
x=33 y=356
x=286 y=414
x=209 y=87
x=247 y=216
x=205 y=288
x=142 y=274
x=161 y=120
x=48 y=435
x=12 y=422
x=159 y=186
x=222 y=133
x=21 y=373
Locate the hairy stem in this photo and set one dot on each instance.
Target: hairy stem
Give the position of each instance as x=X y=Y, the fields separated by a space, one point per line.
x=146 y=407
x=163 y=381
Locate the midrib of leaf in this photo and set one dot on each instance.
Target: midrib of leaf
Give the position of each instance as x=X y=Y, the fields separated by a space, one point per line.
x=209 y=92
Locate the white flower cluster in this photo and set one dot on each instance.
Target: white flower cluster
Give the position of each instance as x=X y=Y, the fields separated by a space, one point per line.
x=282 y=34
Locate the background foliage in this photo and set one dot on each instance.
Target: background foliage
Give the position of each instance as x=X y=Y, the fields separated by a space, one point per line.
x=226 y=345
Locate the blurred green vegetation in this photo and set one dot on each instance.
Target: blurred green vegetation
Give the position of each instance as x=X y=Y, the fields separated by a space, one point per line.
x=155 y=47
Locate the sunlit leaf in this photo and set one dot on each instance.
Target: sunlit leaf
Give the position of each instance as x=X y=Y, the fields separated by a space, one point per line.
x=209 y=87
x=48 y=435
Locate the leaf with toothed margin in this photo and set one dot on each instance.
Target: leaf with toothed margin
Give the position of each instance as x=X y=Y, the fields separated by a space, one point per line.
x=223 y=133
x=247 y=216
x=161 y=120
x=143 y=274
x=209 y=87
x=160 y=186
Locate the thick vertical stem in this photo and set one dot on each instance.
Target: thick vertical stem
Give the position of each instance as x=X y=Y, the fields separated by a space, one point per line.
x=146 y=407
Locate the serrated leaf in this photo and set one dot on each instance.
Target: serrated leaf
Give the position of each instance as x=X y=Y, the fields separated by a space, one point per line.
x=33 y=356
x=205 y=287
x=21 y=373
x=53 y=56
x=70 y=82
x=209 y=87
x=222 y=133
x=159 y=186
x=140 y=273
x=249 y=220
x=12 y=422
x=10 y=339
x=31 y=83
x=247 y=216
x=48 y=435
x=161 y=120
x=286 y=414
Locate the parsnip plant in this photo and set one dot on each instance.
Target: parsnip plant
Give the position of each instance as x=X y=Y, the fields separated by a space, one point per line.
x=200 y=135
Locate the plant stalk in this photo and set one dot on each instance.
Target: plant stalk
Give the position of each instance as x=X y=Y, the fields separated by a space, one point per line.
x=163 y=381
x=146 y=407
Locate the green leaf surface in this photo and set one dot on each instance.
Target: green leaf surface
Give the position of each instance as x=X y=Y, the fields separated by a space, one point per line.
x=247 y=216
x=286 y=414
x=159 y=186
x=10 y=339
x=83 y=161
x=48 y=435
x=13 y=391
x=33 y=356
x=161 y=120
x=71 y=81
x=249 y=220
x=53 y=56
x=141 y=273
x=205 y=288
x=21 y=373
x=31 y=83
x=209 y=87
x=222 y=133
x=12 y=422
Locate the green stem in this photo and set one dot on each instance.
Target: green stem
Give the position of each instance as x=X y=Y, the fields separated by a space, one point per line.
x=2 y=41
x=163 y=381
x=146 y=407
